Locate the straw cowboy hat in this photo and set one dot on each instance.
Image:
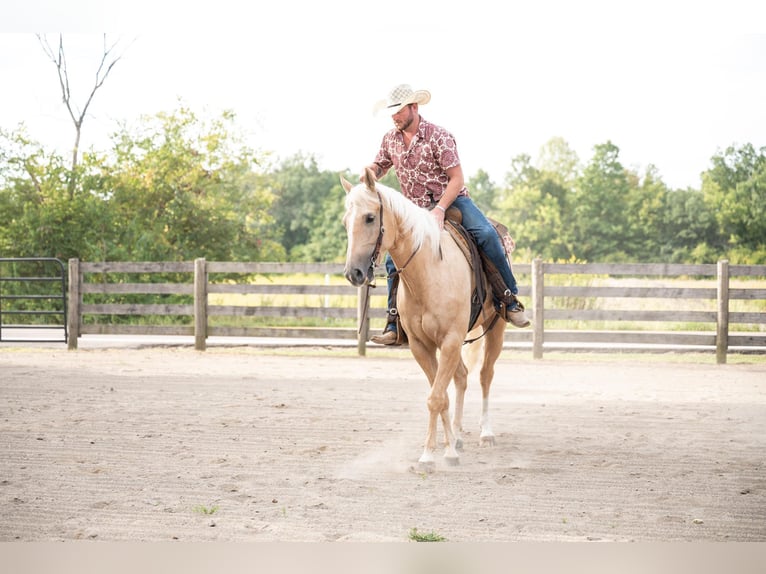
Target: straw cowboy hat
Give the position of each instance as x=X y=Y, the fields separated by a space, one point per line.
x=401 y=96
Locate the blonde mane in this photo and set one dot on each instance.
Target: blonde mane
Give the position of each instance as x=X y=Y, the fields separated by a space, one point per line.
x=414 y=220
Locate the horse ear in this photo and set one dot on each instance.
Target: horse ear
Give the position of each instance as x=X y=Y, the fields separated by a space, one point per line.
x=369 y=179
x=346 y=184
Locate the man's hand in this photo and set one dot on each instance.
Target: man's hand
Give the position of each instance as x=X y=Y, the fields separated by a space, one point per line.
x=439 y=213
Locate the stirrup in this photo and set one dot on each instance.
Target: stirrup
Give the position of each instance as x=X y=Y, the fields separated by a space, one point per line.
x=510 y=301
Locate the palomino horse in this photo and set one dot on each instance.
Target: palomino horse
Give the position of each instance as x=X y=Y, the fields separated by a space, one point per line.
x=433 y=300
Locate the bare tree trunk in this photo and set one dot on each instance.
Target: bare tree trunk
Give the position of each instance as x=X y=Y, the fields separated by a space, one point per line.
x=58 y=57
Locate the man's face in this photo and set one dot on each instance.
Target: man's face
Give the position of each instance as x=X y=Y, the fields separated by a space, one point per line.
x=404 y=117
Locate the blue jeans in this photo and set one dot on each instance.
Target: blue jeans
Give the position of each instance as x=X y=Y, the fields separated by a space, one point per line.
x=477 y=224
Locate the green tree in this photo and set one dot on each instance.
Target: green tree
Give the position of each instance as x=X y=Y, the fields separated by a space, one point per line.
x=600 y=207
x=484 y=193
x=43 y=215
x=534 y=209
x=735 y=190
x=327 y=237
x=689 y=231
x=300 y=193
x=644 y=218
x=559 y=161
x=182 y=188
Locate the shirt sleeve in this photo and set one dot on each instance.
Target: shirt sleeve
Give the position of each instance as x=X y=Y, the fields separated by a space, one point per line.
x=383 y=158
x=445 y=149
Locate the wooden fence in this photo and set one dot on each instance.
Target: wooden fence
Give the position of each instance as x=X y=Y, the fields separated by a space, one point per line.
x=588 y=296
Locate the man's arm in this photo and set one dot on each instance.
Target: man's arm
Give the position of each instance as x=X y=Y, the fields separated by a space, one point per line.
x=376 y=169
x=456 y=182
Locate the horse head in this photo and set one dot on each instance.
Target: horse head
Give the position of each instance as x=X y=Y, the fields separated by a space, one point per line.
x=364 y=227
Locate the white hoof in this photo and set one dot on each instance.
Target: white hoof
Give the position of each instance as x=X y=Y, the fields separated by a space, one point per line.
x=488 y=440
x=452 y=460
x=459 y=444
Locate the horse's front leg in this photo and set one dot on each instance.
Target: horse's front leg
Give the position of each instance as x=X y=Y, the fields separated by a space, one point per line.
x=438 y=407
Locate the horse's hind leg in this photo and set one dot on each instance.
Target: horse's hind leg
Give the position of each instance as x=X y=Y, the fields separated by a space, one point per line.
x=493 y=345
x=461 y=382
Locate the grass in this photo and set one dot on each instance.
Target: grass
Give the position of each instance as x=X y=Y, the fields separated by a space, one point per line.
x=416 y=536
x=207 y=511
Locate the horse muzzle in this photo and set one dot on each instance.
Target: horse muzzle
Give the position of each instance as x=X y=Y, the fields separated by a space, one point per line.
x=358 y=277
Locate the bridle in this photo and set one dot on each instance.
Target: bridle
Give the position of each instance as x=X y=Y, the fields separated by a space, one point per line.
x=374 y=258
x=376 y=252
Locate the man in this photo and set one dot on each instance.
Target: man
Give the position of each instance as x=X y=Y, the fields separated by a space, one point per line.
x=425 y=159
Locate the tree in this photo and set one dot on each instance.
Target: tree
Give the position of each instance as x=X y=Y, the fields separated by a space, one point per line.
x=58 y=57
x=327 y=237
x=600 y=207
x=645 y=200
x=484 y=193
x=182 y=188
x=688 y=230
x=735 y=190
x=300 y=191
x=559 y=161
x=41 y=219
x=534 y=209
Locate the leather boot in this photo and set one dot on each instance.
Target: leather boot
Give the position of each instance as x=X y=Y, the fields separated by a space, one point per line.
x=391 y=332
x=512 y=311
x=387 y=338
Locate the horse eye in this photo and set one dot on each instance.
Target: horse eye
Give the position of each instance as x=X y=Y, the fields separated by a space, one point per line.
x=369 y=218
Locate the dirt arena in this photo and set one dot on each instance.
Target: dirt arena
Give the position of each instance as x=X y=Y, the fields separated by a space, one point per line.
x=235 y=444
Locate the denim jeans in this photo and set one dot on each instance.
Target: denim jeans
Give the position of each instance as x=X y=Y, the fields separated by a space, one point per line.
x=477 y=224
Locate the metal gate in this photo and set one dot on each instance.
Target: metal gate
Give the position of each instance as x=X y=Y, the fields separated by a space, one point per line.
x=33 y=300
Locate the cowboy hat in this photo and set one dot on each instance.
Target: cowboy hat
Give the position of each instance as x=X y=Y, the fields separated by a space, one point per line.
x=401 y=96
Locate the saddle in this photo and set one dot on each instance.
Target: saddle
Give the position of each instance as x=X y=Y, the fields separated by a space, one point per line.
x=471 y=251
x=485 y=272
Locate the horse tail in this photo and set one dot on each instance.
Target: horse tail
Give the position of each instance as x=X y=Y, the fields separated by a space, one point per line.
x=473 y=352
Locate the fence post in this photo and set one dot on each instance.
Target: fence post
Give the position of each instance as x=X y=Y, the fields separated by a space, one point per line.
x=538 y=297
x=200 y=304
x=722 y=321
x=363 y=319
x=73 y=319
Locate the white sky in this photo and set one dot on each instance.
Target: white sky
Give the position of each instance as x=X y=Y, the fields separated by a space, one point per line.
x=670 y=83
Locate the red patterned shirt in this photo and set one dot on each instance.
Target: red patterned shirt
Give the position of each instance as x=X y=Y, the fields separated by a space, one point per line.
x=421 y=169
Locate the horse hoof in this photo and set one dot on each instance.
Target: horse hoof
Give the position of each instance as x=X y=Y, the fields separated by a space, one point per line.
x=487 y=440
x=427 y=467
x=452 y=460
x=459 y=444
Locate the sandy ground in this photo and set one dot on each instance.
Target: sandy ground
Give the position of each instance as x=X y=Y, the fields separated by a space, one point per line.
x=238 y=445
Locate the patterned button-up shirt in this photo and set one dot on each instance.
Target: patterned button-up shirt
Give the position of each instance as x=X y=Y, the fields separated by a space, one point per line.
x=421 y=169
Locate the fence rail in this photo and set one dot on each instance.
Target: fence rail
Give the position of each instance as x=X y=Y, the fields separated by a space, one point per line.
x=559 y=293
